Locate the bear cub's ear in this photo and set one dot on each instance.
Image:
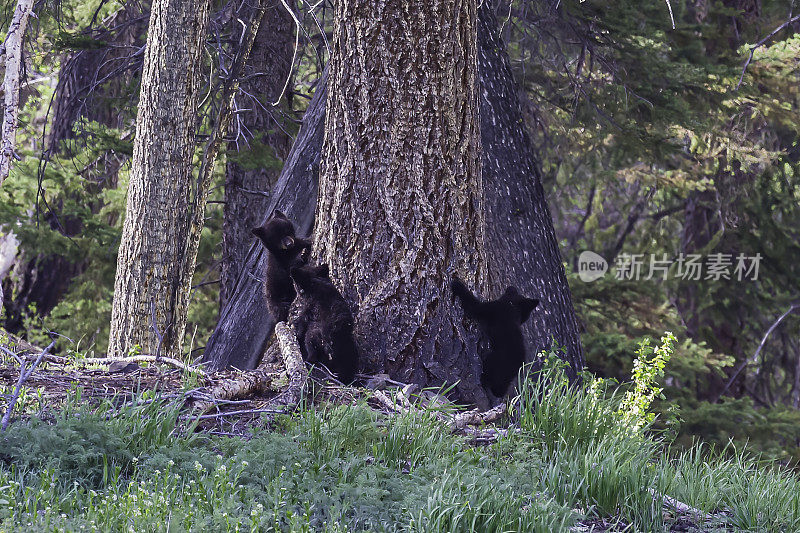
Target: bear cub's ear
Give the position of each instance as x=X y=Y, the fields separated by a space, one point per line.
x=258 y=232
x=526 y=307
x=323 y=271
x=511 y=294
x=458 y=286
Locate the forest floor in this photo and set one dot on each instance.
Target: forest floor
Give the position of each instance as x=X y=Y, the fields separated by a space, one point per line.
x=114 y=447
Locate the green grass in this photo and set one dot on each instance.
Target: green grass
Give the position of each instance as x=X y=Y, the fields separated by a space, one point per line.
x=348 y=468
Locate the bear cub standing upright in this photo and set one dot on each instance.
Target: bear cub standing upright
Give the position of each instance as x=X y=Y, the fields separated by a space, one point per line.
x=502 y=321
x=285 y=251
x=324 y=325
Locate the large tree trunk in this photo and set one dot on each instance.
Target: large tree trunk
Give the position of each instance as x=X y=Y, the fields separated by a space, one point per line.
x=247 y=184
x=520 y=239
x=151 y=254
x=510 y=173
x=400 y=197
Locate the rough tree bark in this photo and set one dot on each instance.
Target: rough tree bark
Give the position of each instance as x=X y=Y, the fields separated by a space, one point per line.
x=247 y=185
x=400 y=197
x=12 y=50
x=149 y=277
x=508 y=172
x=520 y=239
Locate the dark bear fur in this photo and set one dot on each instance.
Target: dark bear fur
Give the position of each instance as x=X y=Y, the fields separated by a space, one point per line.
x=324 y=323
x=285 y=251
x=502 y=321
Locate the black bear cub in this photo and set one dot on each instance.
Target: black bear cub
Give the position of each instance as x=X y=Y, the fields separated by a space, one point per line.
x=502 y=321
x=324 y=324
x=285 y=251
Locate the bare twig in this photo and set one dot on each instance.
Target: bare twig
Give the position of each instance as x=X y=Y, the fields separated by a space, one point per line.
x=761 y=43
x=12 y=354
x=259 y=193
x=386 y=379
x=242 y=412
x=204 y=283
x=792 y=308
x=24 y=374
x=671 y=16
x=298 y=25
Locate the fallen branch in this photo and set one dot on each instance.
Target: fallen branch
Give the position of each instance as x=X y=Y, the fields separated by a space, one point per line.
x=244 y=384
x=295 y=366
x=682 y=508
x=476 y=417
x=387 y=402
x=457 y=422
x=484 y=436
x=23 y=376
x=404 y=395
x=138 y=359
x=50 y=358
x=258 y=381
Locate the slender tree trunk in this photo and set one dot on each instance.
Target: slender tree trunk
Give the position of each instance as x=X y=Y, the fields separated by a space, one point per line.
x=254 y=164
x=509 y=172
x=400 y=196
x=151 y=254
x=12 y=50
x=94 y=84
x=9 y=246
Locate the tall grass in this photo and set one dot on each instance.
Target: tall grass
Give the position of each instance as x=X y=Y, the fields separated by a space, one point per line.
x=600 y=454
x=594 y=457
x=737 y=488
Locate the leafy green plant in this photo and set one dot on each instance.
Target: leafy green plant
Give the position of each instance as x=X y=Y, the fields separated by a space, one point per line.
x=634 y=408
